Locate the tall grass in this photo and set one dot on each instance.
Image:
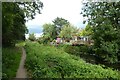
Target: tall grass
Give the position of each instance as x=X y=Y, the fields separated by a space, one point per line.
x=49 y=62
x=10 y=61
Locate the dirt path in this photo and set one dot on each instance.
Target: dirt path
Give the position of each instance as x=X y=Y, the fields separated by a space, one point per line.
x=21 y=72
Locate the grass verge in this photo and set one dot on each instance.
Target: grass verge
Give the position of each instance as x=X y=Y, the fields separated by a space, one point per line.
x=49 y=62
x=10 y=61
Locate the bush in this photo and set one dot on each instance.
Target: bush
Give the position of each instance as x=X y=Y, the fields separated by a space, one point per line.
x=108 y=51
x=43 y=40
x=49 y=62
x=10 y=61
x=32 y=37
x=76 y=50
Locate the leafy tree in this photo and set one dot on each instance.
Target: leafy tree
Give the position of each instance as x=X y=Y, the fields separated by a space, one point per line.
x=104 y=17
x=49 y=32
x=13 y=20
x=59 y=23
x=31 y=8
x=32 y=37
x=87 y=31
x=68 y=31
x=12 y=23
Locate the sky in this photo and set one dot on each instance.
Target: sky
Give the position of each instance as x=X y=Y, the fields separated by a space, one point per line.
x=67 y=9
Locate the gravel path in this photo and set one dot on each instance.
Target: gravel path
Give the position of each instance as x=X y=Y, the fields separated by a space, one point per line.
x=21 y=72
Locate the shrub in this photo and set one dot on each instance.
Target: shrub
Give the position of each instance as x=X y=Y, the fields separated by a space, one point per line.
x=76 y=50
x=49 y=62
x=32 y=37
x=10 y=61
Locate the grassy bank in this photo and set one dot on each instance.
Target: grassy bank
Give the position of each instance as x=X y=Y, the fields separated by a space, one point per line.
x=10 y=61
x=50 y=62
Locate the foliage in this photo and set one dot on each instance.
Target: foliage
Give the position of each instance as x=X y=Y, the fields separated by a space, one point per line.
x=31 y=8
x=59 y=23
x=52 y=31
x=49 y=62
x=79 y=50
x=13 y=20
x=20 y=44
x=87 y=31
x=49 y=32
x=68 y=31
x=32 y=37
x=44 y=40
x=104 y=19
x=40 y=40
x=13 y=27
x=10 y=61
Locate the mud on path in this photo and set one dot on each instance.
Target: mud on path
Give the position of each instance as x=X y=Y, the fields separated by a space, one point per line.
x=21 y=72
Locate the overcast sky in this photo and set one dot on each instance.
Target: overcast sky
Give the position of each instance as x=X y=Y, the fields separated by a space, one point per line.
x=67 y=9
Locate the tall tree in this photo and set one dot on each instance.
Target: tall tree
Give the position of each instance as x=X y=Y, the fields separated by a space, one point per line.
x=31 y=8
x=49 y=31
x=104 y=17
x=68 y=31
x=59 y=23
x=13 y=20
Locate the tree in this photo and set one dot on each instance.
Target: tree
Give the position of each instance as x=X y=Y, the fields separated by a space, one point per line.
x=14 y=18
x=12 y=23
x=104 y=17
x=59 y=23
x=68 y=31
x=49 y=32
x=32 y=37
x=87 y=31
x=31 y=8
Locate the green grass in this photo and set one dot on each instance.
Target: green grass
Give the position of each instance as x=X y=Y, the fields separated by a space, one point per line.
x=20 y=44
x=49 y=62
x=10 y=61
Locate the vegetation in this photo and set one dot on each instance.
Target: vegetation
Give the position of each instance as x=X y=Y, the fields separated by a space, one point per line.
x=13 y=20
x=68 y=31
x=49 y=32
x=63 y=61
x=52 y=31
x=49 y=62
x=14 y=16
x=10 y=61
x=74 y=50
x=32 y=37
x=87 y=31
x=59 y=23
x=104 y=19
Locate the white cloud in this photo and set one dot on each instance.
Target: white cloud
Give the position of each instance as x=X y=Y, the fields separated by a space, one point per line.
x=68 y=9
x=37 y=35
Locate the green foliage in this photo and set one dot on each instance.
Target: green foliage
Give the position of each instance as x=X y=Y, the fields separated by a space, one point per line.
x=49 y=62
x=13 y=26
x=68 y=31
x=75 y=50
x=10 y=61
x=14 y=16
x=49 y=32
x=32 y=37
x=20 y=44
x=31 y=8
x=44 y=40
x=87 y=31
x=59 y=23
x=104 y=19
x=52 y=31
